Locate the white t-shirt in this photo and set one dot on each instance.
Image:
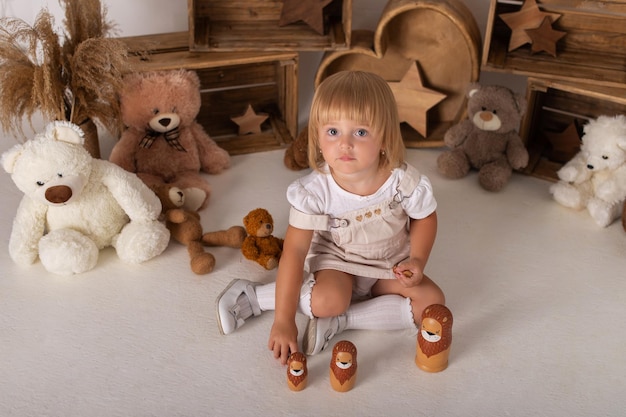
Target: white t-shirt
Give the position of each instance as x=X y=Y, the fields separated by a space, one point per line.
x=318 y=193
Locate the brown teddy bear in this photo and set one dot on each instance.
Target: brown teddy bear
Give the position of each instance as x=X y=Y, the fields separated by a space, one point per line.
x=163 y=143
x=260 y=246
x=488 y=140
x=296 y=154
x=185 y=227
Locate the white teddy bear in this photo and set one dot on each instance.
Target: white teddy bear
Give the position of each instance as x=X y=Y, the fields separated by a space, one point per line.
x=75 y=205
x=595 y=178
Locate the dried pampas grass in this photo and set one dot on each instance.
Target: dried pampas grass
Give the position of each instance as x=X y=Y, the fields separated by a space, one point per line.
x=74 y=77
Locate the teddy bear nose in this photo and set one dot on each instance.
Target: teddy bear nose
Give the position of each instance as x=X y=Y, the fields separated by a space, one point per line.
x=486 y=116
x=58 y=194
x=165 y=121
x=589 y=166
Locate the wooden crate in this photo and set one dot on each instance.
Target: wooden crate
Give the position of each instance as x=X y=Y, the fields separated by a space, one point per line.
x=229 y=82
x=553 y=107
x=422 y=32
x=253 y=25
x=593 y=49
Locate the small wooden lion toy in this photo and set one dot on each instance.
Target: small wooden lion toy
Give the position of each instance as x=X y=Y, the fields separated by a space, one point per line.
x=343 y=366
x=297 y=371
x=434 y=338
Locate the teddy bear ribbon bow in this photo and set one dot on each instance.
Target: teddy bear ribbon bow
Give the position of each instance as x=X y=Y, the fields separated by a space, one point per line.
x=171 y=137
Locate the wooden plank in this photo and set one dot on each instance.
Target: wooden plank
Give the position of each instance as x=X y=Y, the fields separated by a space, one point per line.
x=253 y=25
x=594 y=48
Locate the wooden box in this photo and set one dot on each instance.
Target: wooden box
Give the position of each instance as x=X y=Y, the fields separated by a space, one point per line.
x=253 y=25
x=555 y=110
x=229 y=82
x=593 y=49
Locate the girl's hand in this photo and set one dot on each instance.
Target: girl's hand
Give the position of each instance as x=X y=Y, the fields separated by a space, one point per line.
x=409 y=273
x=283 y=340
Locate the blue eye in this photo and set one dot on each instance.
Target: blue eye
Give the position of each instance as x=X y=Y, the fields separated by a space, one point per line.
x=361 y=132
x=332 y=131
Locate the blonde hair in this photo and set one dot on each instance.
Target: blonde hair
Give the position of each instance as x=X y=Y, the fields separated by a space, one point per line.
x=365 y=98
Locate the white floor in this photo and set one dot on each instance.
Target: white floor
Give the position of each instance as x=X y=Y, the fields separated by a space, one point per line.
x=538 y=294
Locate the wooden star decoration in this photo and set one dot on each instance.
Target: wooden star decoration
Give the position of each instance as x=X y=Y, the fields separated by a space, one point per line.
x=529 y=17
x=310 y=12
x=545 y=37
x=565 y=144
x=414 y=100
x=250 y=121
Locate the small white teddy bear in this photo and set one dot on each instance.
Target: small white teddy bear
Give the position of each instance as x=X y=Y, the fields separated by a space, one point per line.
x=595 y=178
x=75 y=205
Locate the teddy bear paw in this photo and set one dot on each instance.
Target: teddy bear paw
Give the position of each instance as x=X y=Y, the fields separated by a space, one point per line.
x=567 y=195
x=603 y=213
x=202 y=263
x=271 y=263
x=493 y=177
x=220 y=160
x=453 y=164
x=67 y=252
x=568 y=173
x=141 y=241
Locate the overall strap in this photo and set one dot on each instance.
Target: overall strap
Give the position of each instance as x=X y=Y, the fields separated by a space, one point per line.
x=407 y=185
x=314 y=221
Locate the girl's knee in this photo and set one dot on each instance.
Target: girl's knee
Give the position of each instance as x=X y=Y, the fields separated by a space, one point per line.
x=331 y=293
x=427 y=295
x=325 y=304
x=436 y=296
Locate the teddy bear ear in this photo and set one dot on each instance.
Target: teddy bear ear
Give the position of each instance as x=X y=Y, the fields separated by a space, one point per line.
x=64 y=131
x=472 y=89
x=132 y=81
x=9 y=158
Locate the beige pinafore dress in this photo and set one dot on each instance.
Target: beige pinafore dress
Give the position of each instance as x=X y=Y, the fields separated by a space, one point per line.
x=365 y=243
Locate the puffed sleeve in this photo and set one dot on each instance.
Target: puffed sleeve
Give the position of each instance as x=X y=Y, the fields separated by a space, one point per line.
x=302 y=195
x=421 y=202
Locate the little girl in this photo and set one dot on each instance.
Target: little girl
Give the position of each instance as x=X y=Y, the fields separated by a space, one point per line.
x=361 y=228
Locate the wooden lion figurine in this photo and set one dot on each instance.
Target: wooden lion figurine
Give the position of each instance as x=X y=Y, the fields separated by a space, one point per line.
x=434 y=338
x=343 y=366
x=297 y=372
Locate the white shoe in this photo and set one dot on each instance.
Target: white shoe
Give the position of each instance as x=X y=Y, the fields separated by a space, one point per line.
x=319 y=331
x=229 y=314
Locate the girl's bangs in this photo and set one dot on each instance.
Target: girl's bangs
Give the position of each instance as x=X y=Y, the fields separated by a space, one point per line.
x=346 y=105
